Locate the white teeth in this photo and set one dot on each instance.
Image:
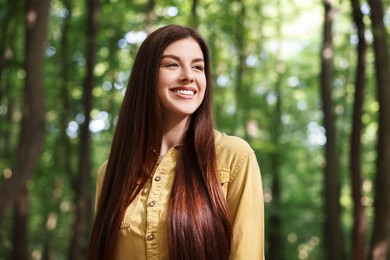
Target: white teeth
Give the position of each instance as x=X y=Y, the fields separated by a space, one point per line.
x=184 y=92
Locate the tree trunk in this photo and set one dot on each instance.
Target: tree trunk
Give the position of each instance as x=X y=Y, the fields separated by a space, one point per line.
x=33 y=115
x=151 y=18
x=83 y=199
x=217 y=90
x=381 y=229
x=359 y=225
x=63 y=153
x=5 y=53
x=48 y=250
x=276 y=238
x=333 y=231
x=20 y=249
x=241 y=89
x=194 y=18
x=7 y=66
x=7 y=149
x=64 y=145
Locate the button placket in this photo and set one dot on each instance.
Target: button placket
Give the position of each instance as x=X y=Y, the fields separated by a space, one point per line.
x=153 y=205
x=153 y=208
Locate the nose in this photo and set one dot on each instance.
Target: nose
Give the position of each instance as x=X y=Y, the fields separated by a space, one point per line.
x=187 y=75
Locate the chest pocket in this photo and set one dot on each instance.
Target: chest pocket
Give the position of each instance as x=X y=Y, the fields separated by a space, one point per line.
x=224 y=175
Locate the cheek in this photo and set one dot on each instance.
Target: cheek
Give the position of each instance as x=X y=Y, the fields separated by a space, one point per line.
x=164 y=81
x=159 y=87
x=159 y=81
x=160 y=92
x=203 y=92
x=202 y=82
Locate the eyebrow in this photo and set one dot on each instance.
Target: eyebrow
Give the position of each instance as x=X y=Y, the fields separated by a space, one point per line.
x=178 y=58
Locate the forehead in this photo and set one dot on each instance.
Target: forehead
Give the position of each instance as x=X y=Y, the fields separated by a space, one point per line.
x=184 y=48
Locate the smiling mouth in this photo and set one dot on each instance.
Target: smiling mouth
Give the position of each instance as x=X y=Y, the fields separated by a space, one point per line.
x=184 y=92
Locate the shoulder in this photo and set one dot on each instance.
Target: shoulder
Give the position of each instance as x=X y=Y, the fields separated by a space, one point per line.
x=102 y=168
x=101 y=172
x=230 y=144
x=231 y=151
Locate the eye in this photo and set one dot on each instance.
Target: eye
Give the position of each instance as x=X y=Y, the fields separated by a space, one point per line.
x=199 y=67
x=171 y=65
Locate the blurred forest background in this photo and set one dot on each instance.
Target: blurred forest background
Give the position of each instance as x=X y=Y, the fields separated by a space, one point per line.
x=307 y=83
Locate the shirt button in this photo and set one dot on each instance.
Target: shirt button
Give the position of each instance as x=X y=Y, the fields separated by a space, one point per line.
x=157 y=178
x=150 y=237
x=151 y=204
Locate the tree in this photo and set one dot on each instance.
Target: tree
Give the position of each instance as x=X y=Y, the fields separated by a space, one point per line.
x=333 y=231
x=241 y=89
x=8 y=62
x=151 y=16
x=33 y=119
x=381 y=229
x=82 y=183
x=5 y=54
x=276 y=239
x=14 y=190
x=194 y=18
x=359 y=226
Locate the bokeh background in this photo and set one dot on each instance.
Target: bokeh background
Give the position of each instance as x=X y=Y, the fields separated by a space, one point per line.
x=305 y=82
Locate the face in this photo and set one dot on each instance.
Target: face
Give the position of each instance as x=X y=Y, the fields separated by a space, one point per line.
x=181 y=82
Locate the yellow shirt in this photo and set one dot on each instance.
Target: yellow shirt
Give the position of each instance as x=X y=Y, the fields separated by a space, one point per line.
x=143 y=233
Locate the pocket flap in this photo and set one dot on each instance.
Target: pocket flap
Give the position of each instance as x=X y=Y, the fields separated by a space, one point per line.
x=224 y=175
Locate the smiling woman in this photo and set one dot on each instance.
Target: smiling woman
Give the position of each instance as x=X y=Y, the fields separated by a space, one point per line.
x=173 y=187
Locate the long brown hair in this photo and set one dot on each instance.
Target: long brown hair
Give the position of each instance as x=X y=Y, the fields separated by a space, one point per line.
x=198 y=220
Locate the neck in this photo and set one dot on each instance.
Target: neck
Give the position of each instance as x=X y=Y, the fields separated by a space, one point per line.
x=173 y=133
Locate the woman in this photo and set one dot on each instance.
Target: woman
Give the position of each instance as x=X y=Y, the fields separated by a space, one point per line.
x=173 y=187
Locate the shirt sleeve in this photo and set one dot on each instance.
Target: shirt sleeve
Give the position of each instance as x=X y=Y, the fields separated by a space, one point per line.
x=246 y=206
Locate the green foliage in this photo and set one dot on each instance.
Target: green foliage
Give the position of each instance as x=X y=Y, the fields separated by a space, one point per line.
x=268 y=49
